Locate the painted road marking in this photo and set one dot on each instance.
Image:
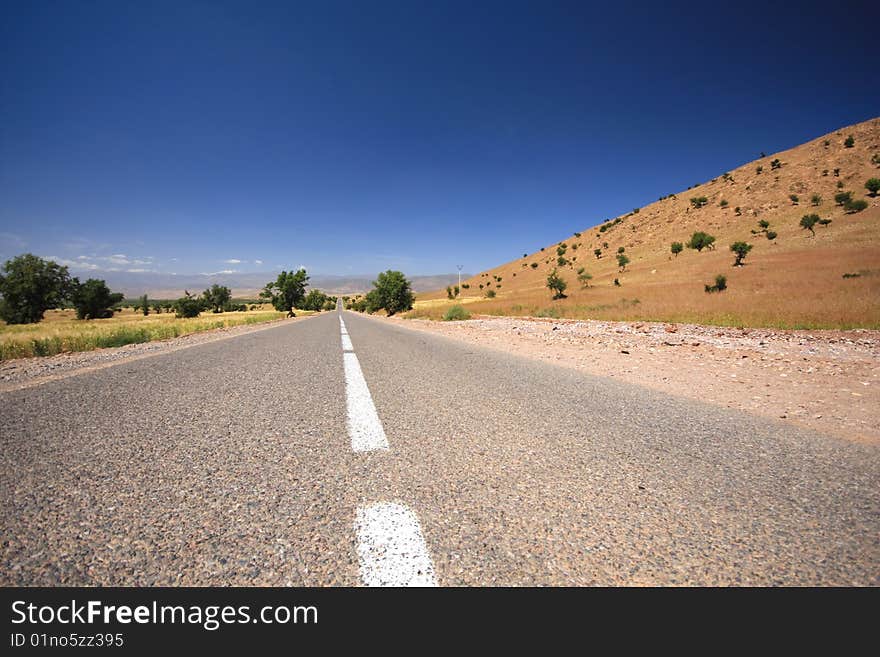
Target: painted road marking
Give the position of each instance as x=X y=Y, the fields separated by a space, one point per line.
x=346 y=343
x=391 y=548
x=364 y=426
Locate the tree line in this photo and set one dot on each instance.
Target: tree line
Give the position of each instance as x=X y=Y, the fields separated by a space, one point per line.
x=30 y=285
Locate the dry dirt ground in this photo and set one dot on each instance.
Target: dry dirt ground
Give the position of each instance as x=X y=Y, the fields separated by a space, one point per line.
x=828 y=381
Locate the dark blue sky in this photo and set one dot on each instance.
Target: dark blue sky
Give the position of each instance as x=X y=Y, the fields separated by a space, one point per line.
x=354 y=137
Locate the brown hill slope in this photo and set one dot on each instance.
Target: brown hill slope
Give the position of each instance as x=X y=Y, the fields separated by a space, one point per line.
x=794 y=280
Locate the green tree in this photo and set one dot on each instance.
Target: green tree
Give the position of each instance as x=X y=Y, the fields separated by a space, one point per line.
x=849 y=142
x=815 y=199
x=187 y=306
x=597 y=253
x=449 y=294
x=699 y=201
x=676 y=248
x=720 y=284
x=741 y=249
x=622 y=261
x=584 y=277
x=217 y=297
x=391 y=292
x=873 y=186
x=700 y=241
x=94 y=300
x=842 y=198
x=143 y=303
x=795 y=199
x=314 y=300
x=556 y=284
x=30 y=286
x=808 y=222
x=287 y=291
x=855 y=205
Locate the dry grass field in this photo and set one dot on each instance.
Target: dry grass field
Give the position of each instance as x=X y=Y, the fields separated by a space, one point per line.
x=60 y=331
x=793 y=281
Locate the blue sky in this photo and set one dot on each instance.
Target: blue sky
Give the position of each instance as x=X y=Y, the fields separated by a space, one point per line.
x=355 y=137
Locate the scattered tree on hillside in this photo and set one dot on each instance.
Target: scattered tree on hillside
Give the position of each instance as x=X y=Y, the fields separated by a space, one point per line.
x=808 y=221
x=699 y=201
x=741 y=250
x=534 y=265
x=676 y=248
x=795 y=199
x=597 y=253
x=287 y=291
x=873 y=186
x=584 y=277
x=842 y=198
x=622 y=261
x=723 y=203
x=556 y=284
x=816 y=200
x=700 y=241
x=391 y=292
x=30 y=286
x=849 y=142
x=853 y=206
x=776 y=164
x=94 y=300
x=621 y=249
x=771 y=235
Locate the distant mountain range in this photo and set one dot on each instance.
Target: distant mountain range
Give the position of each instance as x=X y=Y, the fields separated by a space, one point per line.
x=172 y=286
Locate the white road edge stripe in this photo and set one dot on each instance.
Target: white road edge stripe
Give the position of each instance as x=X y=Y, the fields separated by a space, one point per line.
x=364 y=426
x=391 y=548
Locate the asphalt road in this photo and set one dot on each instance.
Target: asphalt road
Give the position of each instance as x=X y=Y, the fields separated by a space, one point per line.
x=232 y=462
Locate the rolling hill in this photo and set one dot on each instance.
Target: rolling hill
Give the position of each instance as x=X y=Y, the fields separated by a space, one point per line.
x=795 y=280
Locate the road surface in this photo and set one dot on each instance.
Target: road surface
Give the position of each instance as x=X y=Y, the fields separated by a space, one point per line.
x=328 y=452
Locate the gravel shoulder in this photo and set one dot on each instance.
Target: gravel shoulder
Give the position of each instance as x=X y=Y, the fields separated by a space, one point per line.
x=827 y=381
x=21 y=373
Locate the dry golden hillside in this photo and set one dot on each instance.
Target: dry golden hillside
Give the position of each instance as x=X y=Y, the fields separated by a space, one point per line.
x=793 y=281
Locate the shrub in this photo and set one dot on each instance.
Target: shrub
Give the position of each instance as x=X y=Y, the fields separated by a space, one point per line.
x=676 y=248
x=837 y=173
x=776 y=164
x=622 y=261
x=873 y=186
x=738 y=211
x=621 y=249
x=635 y=210
x=616 y=283
x=534 y=265
x=556 y=284
x=849 y=142
x=699 y=201
x=723 y=203
x=700 y=241
x=824 y=172
x=741 y=250
x=794 y=199
x=490 y=294
x=842 y=198
x=597 y=253
x=764 y=224
x=456 y=314
x=808 y=221
x=525 y=255
x=561 y=261
x=815 y=199
x=759 y=169
x=851 y=207
x=719 y=286
x=449 y=294
x=771 y=235
x=577 y=234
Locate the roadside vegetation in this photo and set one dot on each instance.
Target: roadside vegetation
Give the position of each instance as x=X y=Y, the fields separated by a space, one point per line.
x=46 y=311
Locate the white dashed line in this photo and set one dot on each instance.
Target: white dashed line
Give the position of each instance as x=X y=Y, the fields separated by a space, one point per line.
x=364 y=426
x=391 y=548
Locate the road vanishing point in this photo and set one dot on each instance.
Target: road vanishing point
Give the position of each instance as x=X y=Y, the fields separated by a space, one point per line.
x=344 y=450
